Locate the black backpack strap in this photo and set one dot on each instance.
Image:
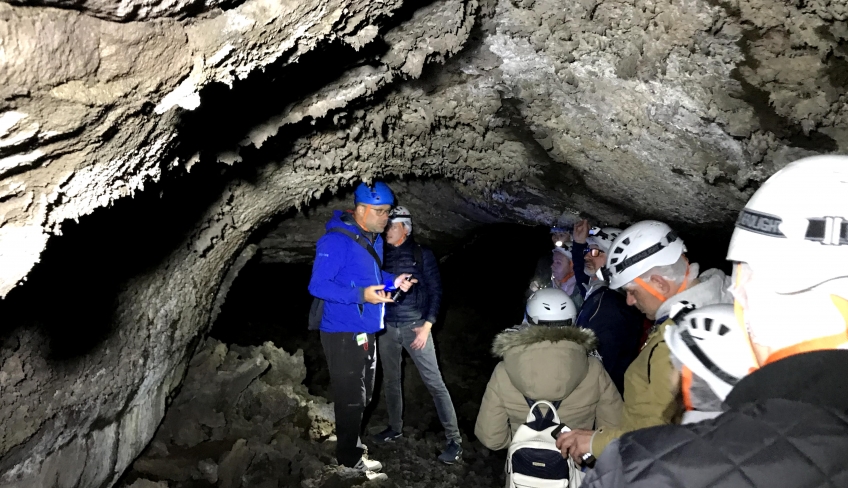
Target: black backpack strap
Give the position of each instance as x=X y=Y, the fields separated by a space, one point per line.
x=419 y=256
x=361 y=241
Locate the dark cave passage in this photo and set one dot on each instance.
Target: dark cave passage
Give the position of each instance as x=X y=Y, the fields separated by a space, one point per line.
x=484 y=281
x=484 y=277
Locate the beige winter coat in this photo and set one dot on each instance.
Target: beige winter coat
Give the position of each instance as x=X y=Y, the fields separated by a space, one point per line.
x=546 y=363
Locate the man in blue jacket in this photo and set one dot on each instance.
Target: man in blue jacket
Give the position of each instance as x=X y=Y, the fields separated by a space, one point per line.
x=408 y=324
x=347 y=275
x=617 y=326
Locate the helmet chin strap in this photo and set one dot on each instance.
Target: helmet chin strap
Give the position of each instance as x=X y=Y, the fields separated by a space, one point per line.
x=361 y=222
x=820 y=343
x=659 y=296
x=402 y=237
x=686 y=387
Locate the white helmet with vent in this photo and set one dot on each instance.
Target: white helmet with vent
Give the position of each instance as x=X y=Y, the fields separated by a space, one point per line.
x=402 y=215
x=639 y=248
x=551 y=305
x=800 y=212
x=603 y=237
x=710 y=342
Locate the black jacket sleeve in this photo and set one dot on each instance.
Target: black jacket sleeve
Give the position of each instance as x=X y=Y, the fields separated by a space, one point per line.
x=578 y=259
x=433 y=283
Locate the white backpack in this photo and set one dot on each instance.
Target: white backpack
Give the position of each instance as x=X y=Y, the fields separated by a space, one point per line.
x=533 y=459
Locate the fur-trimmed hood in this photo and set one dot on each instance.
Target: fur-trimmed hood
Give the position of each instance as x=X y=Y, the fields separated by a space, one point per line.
x=536 y=334
x=546 y=363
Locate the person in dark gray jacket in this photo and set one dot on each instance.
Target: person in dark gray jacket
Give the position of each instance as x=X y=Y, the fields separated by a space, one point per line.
x=786 y=423
x=408 y=325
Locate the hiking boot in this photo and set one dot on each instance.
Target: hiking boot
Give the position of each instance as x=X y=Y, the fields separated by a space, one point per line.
x=452 y=453
x=366 y=465
x=387 y=435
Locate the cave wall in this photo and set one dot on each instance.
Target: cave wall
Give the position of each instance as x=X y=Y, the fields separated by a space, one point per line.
x=81 y=421
x=533 y=111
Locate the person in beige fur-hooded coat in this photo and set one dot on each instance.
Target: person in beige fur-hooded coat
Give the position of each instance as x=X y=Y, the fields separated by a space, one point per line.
x=546 y=363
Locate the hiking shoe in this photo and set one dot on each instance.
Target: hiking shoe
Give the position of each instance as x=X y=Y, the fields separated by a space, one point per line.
x=367 y=465
x=387 y=435
x=451 y=454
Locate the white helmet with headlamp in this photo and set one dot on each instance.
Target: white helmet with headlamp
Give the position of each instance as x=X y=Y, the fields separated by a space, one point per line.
x=402 y=215
x=551 y=305
x=639 y=248
x=603 y=237
x=710 y=342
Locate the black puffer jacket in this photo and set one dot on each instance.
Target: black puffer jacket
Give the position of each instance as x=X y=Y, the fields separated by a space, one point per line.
x=424 y=298
x=618 y=328
x=787 y=426
x=617 y=325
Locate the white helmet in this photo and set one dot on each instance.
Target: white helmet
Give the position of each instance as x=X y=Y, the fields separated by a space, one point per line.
x=551 y=305
x=801 y=211
x=639 y=248
x=709 y=341
x=603 y=237
x=401 y=214
x=564 y=250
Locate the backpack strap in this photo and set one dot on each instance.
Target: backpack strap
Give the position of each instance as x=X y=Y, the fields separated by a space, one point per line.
x=361 y=241
x=419 y=255
x=548 y=417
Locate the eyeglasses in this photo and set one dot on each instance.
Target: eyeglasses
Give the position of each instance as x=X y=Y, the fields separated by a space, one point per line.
x=593 y=252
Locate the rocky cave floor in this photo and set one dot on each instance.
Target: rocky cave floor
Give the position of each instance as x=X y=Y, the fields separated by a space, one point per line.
x=257 y=414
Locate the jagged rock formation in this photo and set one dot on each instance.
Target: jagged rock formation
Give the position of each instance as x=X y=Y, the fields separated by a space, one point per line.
x=615 y=108
x=242 y=416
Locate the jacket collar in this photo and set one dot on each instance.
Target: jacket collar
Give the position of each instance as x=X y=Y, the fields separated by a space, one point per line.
x=347 y=218
x=409 y=241
x=711 y=289
x=816 y=378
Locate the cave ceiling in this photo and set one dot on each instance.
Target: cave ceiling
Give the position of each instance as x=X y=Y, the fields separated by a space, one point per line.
x=668 y=109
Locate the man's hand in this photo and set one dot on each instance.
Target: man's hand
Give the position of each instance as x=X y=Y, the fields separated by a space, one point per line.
x=421 y=335
x=375 y=294
x=575 y=443
x=400 y=282
x=581 y=231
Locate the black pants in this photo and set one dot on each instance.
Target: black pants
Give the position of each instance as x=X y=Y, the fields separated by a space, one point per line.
x=352 y=372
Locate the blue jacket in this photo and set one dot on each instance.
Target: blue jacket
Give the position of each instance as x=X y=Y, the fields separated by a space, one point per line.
x=342 y=271
x=617 y=325
x=424 y=298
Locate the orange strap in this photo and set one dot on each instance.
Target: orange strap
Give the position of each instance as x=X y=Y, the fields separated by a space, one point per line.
x=686 y=388
x=566 y=278
x=653 y=291
x=402 y=238
x=356 y=217
x=819 y=344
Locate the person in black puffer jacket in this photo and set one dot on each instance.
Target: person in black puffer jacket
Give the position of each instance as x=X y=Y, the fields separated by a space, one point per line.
x=408 y=324
x=605 y=312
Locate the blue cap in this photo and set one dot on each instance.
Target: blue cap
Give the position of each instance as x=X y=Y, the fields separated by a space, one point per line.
x=379 y=194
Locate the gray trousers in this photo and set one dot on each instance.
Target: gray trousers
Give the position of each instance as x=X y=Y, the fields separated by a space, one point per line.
x=391 y=345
